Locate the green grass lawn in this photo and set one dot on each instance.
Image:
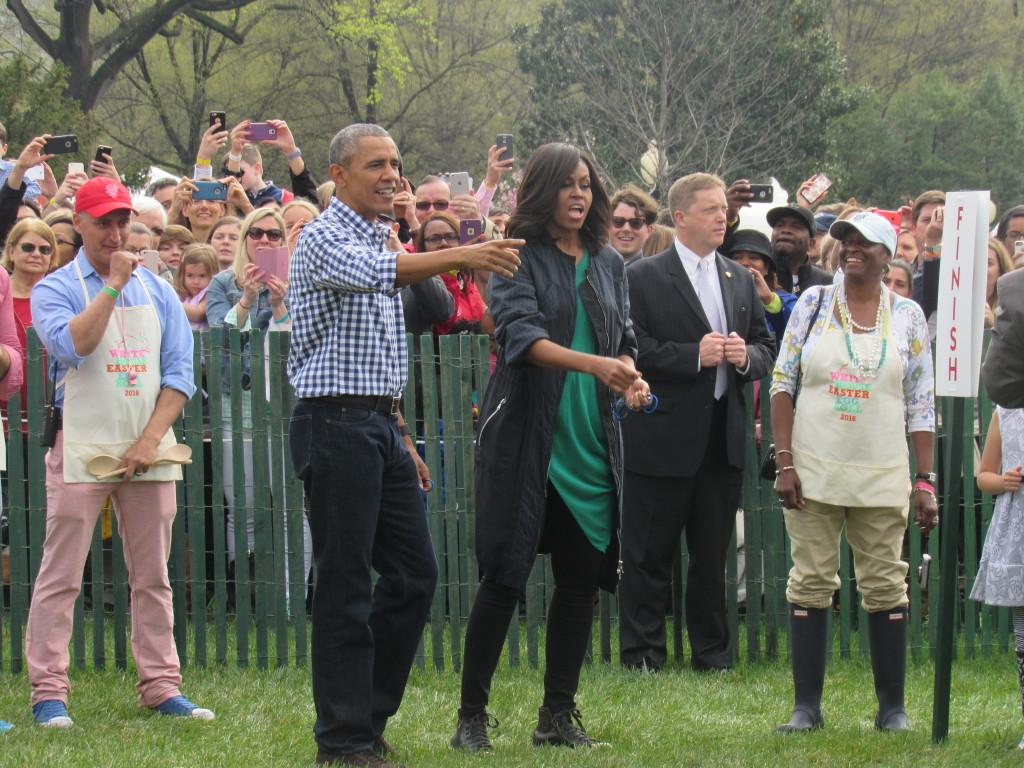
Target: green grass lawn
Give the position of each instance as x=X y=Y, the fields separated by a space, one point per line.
x=677 y=718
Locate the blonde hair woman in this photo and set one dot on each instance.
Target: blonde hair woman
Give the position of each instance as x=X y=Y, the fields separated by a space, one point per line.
x=237 y=299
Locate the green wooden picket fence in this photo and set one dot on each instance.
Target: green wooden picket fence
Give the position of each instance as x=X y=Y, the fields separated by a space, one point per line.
x=258 y=615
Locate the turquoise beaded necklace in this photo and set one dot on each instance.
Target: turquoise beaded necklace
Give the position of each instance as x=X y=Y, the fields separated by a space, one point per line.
x=880 y=330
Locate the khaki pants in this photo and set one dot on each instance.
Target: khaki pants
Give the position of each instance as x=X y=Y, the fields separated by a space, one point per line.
x=876 y=537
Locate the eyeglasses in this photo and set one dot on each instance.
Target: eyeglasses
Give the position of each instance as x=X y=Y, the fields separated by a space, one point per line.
x=635 y=223
x=448 y=237
x=437 y=205
x=45 y=250
x=273 y=235
x=1014 y=236
x=61 y=242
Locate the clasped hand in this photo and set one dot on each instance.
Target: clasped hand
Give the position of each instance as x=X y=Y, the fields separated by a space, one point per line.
x=716 y=348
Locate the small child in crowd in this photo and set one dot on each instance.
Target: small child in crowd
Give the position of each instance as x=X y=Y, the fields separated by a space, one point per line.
x=1001 y=573
x=197 y=268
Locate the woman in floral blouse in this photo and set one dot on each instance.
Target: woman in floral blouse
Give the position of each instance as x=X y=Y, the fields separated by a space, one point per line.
x=859 y=357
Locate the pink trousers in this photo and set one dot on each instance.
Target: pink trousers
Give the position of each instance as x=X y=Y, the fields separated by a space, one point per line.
x=145 y=511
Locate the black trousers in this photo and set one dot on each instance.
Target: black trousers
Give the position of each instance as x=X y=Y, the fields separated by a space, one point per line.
x=576 y=565
x=365 y=514
x=656 y=510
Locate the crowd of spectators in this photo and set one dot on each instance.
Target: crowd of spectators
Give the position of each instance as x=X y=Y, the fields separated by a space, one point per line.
x=221 y=238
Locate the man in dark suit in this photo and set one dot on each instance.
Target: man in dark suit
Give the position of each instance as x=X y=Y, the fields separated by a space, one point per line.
x=1003 y=372
x=701 y=334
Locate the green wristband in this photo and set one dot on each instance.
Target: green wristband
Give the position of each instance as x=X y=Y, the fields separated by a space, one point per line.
x=110 y=291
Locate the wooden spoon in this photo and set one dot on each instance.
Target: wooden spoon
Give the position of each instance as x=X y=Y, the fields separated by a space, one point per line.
x=104 y=466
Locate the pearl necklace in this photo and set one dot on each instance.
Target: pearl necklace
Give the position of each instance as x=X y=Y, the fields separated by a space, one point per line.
x=870 y=364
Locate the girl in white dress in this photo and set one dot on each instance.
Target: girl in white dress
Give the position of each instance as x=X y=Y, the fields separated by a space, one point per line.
x=1001 y=573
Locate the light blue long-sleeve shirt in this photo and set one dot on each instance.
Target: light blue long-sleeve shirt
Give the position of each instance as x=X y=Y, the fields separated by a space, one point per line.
x=57 y=299
x=32 y=190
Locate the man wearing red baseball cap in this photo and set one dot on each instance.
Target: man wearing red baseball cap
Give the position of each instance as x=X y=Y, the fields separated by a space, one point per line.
x=121 y=347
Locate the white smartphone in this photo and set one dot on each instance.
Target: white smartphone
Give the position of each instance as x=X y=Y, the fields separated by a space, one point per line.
x=76 y=167
x=151 y=260
x=1018 y=252
x=459 y=183
x=35 y=173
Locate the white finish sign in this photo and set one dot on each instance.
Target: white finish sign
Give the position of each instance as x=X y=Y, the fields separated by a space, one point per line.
x=961 y=310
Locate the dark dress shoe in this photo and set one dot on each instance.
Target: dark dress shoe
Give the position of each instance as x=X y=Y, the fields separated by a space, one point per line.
x=367 y=757
x=645 y=664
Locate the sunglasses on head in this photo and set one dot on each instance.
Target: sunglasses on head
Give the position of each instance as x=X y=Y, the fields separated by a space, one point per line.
x=273 y=235
x=437 y=205
x=635 y=223
x=45 y=250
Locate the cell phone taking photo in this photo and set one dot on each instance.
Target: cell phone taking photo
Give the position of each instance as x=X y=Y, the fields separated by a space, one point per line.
x=219 y=117
x=458 y=183
x=64 y=144
x=151 y=260
x=816 y=190
x=763 y=193
x=470 y=230
x=272 y=262
x=506 y=144
x=210 y=190
x=102 y=150
x=262 y=132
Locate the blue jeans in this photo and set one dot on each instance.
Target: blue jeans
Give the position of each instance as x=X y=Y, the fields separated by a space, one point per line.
x=365 y=514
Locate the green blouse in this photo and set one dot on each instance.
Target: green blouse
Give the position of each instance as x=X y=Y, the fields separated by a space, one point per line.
x=580 y=470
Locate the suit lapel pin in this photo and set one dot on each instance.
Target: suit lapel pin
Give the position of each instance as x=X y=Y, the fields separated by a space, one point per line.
x=728 y=274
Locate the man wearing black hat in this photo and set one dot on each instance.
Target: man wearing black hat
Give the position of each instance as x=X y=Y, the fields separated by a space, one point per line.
x=793 y=231
x=753 y=251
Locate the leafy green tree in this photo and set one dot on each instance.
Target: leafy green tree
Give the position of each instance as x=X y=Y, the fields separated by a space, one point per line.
x=935 y=135
x=731 y=86
x=95 y=56
x=32 y=102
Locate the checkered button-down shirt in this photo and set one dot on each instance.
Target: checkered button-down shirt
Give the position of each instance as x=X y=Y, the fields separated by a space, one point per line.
x=348 y=334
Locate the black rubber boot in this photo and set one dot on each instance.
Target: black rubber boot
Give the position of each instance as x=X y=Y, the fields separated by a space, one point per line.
x=887 y=633
x=808 y=644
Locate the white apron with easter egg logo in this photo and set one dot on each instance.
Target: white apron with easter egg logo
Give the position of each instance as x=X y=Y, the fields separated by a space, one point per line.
x=849 y=429
x=110 y=398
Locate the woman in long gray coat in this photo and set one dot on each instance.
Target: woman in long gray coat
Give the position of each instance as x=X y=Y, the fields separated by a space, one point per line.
x=549 y=456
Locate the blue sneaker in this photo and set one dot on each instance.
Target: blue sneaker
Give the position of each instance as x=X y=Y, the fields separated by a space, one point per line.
x=52 y=714
x=5 y=726
x=179 y=706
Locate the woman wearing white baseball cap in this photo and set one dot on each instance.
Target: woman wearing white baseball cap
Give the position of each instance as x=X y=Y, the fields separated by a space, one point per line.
x=860 y=357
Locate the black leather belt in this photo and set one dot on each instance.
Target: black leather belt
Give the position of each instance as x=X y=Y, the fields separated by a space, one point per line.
x=381 y=403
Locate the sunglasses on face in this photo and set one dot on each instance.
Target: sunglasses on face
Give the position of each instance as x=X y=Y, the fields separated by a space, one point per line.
x=635 y=223
x=447 y=237
x=273 y=235
x=437 y=205
x=45 y=250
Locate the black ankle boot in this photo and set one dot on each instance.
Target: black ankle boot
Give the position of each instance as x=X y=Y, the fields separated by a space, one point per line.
x=471 y=732
x=887 y=633
x=808 y=644
x=562 y=729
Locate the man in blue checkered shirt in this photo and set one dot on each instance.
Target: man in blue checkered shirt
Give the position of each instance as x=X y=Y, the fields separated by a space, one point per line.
x=348 y=367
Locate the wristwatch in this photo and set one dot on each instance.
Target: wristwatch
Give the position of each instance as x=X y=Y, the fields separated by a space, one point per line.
x=930 y=477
